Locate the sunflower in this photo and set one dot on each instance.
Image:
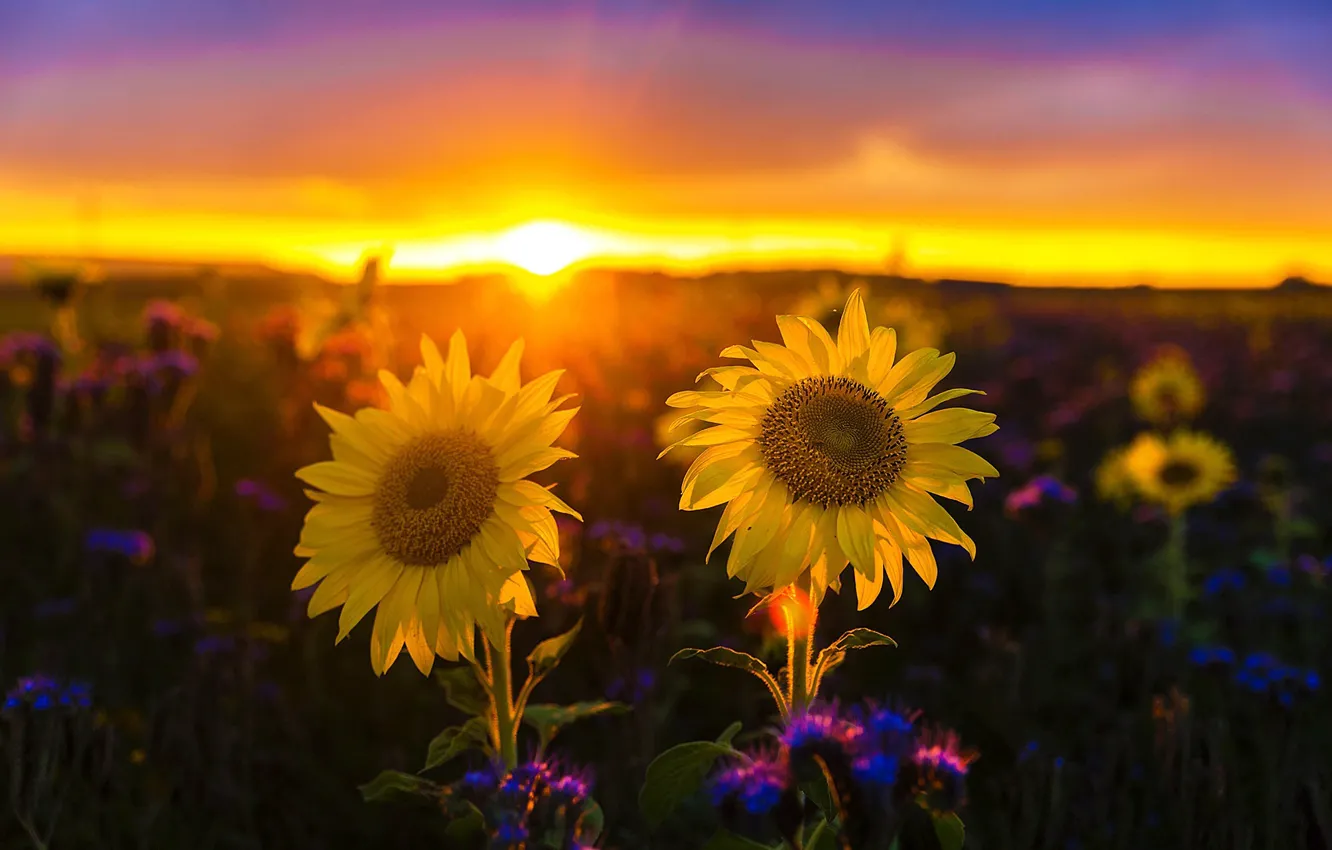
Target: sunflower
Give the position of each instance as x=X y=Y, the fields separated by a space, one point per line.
x=425 y=510
x=1167 y=390
x=1177 y=472
x=1114 y=481
x=826 y=452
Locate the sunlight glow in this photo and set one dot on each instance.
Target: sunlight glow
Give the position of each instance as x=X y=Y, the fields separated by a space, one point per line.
x=544 y=247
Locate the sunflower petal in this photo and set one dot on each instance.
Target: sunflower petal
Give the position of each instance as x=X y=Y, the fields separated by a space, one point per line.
x=932 y=402
x=853 y=334
x=883 y=348
x=535 y=462
x=458 y=368
x=951 y=426
x=368 y=591
x=915 y=386
x=921 y=514
x=340 y=479
x=506 y=374
x=855 y=534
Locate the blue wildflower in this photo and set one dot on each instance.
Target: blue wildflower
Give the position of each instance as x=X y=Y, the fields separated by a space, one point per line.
x=137 y=546
x=260 y=495
x=43 y=692
x=1279 y=576
x=757 y=784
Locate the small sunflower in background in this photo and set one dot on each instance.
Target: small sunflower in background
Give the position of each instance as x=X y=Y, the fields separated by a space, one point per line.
x=425 y=510
x=1179 y=471
x=1167 y=391
x=825 y=452
x=1114 y=481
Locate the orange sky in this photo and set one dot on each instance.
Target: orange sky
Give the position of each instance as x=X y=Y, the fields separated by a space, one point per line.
x=718 y=148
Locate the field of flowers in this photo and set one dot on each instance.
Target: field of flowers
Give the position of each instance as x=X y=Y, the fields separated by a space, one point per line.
x=1134 y=658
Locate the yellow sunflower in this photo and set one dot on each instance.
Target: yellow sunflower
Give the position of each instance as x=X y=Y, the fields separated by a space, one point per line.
x=1114 y=481
x=425 y=510
x=1167 y=390
x=1177 y=472
x=826 y=452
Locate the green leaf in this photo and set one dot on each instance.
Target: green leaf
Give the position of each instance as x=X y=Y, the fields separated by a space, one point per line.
x=456 y=740
x=832 y=657
x=740 y=661
x=917 y=831
x=952 y=834
x=728 y=734
x=463 y=691
x=676 y=775
x=468 y=829
x=816 y=789
x=549 y=719
x=591 y=823
x=725 y=840
x=396 y=785
x=726 y=658
x=1303 y=528
x=549 y=652
x=861 y=638
x=824 y=837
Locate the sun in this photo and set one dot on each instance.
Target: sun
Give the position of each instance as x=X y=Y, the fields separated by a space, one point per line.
x=544 y=247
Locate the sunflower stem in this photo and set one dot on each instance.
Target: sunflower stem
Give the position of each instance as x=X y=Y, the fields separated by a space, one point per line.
x=503 y=720
x=1177 y=564
x=800 y=618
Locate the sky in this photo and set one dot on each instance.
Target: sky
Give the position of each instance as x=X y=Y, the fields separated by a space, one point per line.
x=1041 y=141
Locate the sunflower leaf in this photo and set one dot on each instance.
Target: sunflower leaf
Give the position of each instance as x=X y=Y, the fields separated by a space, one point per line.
x=859 y=639
x=463 y=691
x=549 y=652
x=741 y=661
x=832 y=657
x=396 y=785
x=456 y=740
x=725 y=657
x=549 y=719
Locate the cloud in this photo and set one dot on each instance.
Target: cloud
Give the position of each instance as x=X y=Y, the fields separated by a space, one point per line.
x=458 y=119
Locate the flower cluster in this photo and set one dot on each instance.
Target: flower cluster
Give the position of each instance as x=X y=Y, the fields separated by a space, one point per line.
x=873 y=757
x=631 y=537
x=1259 y=672
x=136 y=546
x=43 y=692
x=1041 y=491
x=260 y=495
x=756 y=784
x=535 y=799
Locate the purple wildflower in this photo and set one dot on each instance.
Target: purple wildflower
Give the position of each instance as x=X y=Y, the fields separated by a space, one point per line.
x=757 y=784
x=137 y=546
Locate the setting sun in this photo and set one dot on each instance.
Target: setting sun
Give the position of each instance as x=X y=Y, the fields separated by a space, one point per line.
x=544 y=247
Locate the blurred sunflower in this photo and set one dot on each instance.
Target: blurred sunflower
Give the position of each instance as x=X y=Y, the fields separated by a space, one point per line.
x=1114 y=481
x=425 y=511
x=1177 y=472
x=826 y=452
x=1167 y=390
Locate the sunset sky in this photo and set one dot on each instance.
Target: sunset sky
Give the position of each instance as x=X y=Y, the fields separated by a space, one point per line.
x=1168 y=141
